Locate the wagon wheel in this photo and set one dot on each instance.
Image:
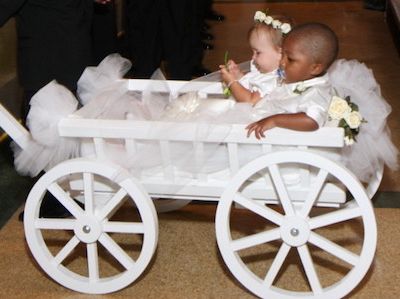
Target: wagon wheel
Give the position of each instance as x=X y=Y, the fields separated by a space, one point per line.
x=98 y=249
x=299 y=243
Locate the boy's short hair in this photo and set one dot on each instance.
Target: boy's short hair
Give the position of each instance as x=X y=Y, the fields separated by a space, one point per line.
x=319 y=41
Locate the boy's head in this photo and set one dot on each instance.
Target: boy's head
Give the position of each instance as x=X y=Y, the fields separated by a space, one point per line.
x=266 y=42
x=308 y=51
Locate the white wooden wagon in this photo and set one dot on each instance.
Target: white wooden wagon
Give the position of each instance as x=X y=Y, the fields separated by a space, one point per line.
x=297 y=209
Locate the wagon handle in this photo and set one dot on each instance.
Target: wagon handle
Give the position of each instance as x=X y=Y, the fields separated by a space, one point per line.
x=13 y=128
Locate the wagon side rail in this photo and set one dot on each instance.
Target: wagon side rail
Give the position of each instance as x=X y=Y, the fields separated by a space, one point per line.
x=13 y=128
x=198 y=134
x=176 y=86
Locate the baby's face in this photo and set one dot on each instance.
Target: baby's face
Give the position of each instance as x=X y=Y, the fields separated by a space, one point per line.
x=297 y=65
x=266 y=56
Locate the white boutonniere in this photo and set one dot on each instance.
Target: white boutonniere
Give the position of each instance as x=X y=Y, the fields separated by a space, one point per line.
x=346 y=113
x=300 y=88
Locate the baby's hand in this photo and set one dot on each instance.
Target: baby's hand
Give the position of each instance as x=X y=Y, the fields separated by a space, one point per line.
x=260 y=127
x=226 y=75
x=234 y=70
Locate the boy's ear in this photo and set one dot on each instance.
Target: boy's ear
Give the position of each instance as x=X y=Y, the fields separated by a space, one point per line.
x=317 y=69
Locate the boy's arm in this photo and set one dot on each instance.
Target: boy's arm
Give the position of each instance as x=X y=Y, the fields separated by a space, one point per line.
x=295 y=121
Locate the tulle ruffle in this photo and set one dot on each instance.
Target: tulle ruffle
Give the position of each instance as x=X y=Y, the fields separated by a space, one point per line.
x=374 y=145
x=46 y=148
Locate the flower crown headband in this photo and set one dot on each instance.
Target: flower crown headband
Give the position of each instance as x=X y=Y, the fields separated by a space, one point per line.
x=276 y=24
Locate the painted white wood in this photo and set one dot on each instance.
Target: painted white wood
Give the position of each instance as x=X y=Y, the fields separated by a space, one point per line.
x=152 y=130
x=296 y=229
x=13 y=128
x=103 y=200
x=91 y=227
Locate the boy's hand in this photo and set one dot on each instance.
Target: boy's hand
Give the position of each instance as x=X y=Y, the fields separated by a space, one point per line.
x=260 y=127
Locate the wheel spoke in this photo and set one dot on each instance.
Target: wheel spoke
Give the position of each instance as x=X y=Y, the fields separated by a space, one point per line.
x=334 y=249
x=66 y=250
x=88 y=190
x=349 y=211
x=65 y=200
x=259 y=208
x=280 y=188
x=123 y=227
x=55 y=224
x=314 y=193
x=121 y=256
x=112 y=205
x=256 y=239
x=93 y=261
x=309 y=268
x=276 y=265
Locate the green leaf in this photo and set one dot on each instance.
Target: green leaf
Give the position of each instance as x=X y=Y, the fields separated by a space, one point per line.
x=226 y=91
x=342 y=123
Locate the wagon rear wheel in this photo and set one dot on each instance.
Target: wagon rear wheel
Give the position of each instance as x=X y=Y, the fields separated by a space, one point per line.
x=104 y=246
x=294 y=249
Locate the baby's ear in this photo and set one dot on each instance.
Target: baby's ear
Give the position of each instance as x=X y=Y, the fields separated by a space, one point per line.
x=317 y=69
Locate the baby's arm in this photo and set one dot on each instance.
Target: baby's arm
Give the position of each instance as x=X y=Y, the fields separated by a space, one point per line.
x=295 y=121
x=240 y=93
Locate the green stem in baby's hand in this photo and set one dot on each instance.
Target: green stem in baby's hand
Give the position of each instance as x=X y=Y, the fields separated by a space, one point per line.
x=226 y=91
x=226 y=58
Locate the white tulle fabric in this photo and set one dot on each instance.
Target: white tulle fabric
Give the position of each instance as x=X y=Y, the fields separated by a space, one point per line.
x=374 y=145
x=105 y=96
x=97 y=79
x=46 y=148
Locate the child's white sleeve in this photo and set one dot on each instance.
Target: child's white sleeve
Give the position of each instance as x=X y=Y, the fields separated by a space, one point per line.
x=315 y=103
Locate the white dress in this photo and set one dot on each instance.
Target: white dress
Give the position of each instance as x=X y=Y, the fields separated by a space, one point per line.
x=263 y=83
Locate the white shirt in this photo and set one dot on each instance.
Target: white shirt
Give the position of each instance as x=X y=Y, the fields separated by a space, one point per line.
x=312 y=97
x=254 y=80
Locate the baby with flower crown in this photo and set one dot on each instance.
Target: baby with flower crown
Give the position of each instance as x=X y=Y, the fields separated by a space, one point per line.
x=265 y=39
x=302 y=101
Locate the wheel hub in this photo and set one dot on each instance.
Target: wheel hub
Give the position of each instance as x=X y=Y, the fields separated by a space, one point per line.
x=295 y=231
x=88 y=229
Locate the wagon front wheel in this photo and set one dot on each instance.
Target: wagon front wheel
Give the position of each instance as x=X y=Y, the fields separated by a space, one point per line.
x=297 y=247
x=104 y=246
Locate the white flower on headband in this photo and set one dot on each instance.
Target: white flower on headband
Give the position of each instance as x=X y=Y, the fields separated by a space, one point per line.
x=268 y=20
x=285 y=28
x=276 y=24
x=261 y=17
